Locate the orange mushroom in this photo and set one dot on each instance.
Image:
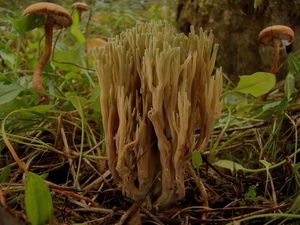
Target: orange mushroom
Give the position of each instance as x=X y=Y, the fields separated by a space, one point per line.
x=80 y=7
x=93 y=43
x=276 y=36
x=55 y=17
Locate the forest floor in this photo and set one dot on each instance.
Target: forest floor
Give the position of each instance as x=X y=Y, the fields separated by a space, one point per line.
x=250 y=170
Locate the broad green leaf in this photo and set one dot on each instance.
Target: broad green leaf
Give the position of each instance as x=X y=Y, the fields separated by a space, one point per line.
x=256 y=84
x=38 y=201
x=231 y=165
x=75 y=28
x=28 y=23
x=5 y=173
x=196 y=159
x=9 y=92
x=65 y=58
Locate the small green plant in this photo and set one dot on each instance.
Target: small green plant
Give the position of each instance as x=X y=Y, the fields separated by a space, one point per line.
x=5 y=174
x=196 y=160
x=38 y=200
x=252 y=197
x=256 y=84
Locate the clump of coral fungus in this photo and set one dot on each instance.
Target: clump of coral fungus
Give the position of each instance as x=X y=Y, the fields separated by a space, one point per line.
x=159 y=100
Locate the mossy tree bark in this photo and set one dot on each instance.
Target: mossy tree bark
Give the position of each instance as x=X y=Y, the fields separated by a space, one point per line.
x=236 y=25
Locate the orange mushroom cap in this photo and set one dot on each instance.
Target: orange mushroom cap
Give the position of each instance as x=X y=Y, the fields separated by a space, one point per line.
x=60 y=15
x=81 y=6
x=281 y=32
x=95 y=42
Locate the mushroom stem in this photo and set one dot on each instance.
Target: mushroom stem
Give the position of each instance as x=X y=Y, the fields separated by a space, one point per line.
x=274 y=67
x=79 y=15
x=36 y=81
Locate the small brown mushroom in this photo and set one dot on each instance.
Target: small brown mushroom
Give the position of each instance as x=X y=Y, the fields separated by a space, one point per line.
x=55 y=17
x=80 y=7
x=276 y=36
x=92 y=43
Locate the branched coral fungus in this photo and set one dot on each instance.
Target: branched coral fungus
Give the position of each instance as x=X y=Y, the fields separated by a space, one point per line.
x=159 y=100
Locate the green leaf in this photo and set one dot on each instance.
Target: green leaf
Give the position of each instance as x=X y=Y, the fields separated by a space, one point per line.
x=289 y=86
x=65 y=58
x=295 y=208
x=294 y=66
x=28 y=23
x=251 y=193
x=275 y=108
x=244 y=109
x=75 y=28
x=231 y=165
x=78 y=103
x=282 y=107
x=5 y=173
x=270 y=105
x=296 y=167
x=233 y=99
x=40 y=111
x=8 y=58
x=9 y=92
x=12 y=106
x=256 y=84
x=38 y=201
x=196 y=159
x=72 y=75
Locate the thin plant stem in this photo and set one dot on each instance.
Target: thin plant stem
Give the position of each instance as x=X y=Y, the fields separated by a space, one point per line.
x=11 y=149
x=81 y=142
x=214 y=151
x=296 y=134
x=287 y=215
x=17 y=58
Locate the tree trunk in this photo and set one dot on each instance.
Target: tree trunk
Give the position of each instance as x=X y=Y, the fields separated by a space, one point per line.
x=236 y=25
